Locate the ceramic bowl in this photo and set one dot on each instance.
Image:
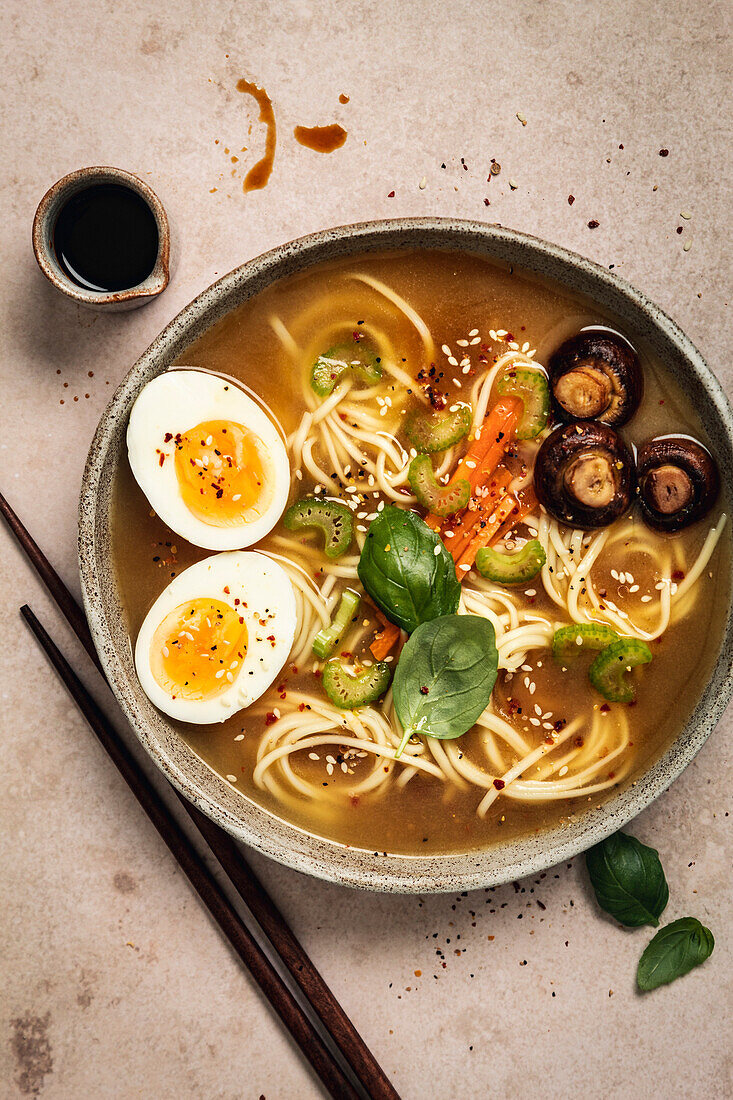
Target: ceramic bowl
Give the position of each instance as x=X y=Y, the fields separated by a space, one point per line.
x=215 y=797
x=43 y=230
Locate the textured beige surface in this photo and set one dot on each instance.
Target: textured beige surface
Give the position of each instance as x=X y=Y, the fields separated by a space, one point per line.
x=114 y=982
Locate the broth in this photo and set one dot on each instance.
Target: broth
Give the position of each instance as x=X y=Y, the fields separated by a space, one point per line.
x=455 y=294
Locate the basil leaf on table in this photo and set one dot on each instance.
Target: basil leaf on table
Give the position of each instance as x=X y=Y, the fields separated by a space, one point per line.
x=407 y=570
x=628 y=880
x=445 y=676
x=675 y=950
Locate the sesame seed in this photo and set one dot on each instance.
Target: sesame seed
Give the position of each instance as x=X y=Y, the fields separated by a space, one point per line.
x=239 y=737
x=232 y=778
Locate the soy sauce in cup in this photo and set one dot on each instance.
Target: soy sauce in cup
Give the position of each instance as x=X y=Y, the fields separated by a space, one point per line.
x=101 y=237
x=106 y=238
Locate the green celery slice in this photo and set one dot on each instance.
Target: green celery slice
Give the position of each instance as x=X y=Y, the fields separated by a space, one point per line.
x=348 y=691
x=516 y=568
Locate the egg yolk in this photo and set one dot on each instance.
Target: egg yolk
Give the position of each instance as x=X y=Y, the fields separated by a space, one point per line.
x=224 y=473
x=198 y=649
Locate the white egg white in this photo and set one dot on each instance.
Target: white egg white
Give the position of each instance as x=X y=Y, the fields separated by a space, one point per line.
x=265 y=594
x=172 y=404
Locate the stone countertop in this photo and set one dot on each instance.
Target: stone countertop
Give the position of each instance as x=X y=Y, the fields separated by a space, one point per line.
x=115 y=982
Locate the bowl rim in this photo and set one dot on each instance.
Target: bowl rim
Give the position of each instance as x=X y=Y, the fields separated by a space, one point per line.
x=262 y=829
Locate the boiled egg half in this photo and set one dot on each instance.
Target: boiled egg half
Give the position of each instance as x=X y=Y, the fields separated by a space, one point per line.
x=216 y=637
x=210 y=461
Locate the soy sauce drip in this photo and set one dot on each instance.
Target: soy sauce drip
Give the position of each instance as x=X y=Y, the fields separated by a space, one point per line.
x=106 y=238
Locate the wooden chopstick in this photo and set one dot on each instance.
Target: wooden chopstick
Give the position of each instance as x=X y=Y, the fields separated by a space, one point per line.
x=200 y=878
x=250 y=888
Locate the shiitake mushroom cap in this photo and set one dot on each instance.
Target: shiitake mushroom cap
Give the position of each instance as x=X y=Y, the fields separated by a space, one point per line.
x=678 y=482
x=596 y=375
x=584 y=474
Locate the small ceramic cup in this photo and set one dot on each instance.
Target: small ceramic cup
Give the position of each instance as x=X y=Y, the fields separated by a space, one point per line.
x=43 y=232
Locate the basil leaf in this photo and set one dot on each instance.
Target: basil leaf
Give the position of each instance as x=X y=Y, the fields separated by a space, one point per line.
x=628 y=880
x=445 y=676
x=407 y=570
x=675 y=950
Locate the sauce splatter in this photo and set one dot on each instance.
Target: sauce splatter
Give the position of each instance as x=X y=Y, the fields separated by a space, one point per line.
x=259 y=174
x=323 y=139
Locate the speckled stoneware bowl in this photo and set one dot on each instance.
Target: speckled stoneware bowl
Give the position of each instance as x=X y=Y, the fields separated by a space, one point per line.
x=233 y=811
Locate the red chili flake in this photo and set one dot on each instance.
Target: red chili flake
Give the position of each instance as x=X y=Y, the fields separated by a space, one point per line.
x=499 y=784
x=424 y=690
x=486 y=202
x=354 y=800
x=390 y=195
x=559 y=724
x=571 y=200
x=679 y=228
x=161 y=460
x=661 y=401
x=226 y=589
x=270 y=718
x=664 y=152
x=605 y=708
x=620 y=146
x=301 y=707
x=678 y=575
x=167 y=437
x=593 y=224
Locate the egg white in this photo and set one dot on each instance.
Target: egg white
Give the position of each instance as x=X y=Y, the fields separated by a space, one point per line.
x=175 y=402
x=265 y=592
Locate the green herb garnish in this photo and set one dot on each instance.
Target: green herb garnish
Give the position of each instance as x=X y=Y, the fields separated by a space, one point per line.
x=675 y=950
x=445 y=677
x=407 y=570
x=628 y=880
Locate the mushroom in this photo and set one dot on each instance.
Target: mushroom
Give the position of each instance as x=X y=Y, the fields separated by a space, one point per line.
x=678 y=482
x=596 y=375
x=584 y=474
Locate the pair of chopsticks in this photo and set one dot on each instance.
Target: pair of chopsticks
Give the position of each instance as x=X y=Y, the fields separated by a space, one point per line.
x=335 y=1050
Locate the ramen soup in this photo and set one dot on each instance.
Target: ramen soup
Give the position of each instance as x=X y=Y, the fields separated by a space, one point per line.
x=419 y=553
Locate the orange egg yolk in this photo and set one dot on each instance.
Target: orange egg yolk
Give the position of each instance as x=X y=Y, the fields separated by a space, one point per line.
x=198 y=649
x=224 y=473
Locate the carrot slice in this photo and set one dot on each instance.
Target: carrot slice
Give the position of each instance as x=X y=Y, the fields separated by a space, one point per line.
x=526 y=505
x=384 y=641
x=497 y=430
x=487 y=447
x=485 y=534
x=459 y=533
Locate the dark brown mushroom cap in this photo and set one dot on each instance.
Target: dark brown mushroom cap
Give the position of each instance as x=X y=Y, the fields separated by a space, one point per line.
x=678 y=482
x=584 y=474
x=596 y=375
